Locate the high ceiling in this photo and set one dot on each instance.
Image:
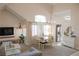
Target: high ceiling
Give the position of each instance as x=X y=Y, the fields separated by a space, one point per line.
x=29 y=10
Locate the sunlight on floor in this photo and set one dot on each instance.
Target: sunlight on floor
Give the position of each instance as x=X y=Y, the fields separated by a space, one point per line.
x=57 y=44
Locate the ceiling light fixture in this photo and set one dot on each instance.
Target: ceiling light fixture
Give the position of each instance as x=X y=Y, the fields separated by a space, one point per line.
x=67 y=18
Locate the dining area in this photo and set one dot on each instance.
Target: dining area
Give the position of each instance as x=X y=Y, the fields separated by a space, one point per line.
x=42 y=42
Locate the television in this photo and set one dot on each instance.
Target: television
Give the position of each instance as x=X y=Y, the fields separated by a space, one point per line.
x=4 y=31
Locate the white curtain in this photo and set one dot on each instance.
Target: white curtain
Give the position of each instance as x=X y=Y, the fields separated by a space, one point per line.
x=40 y=29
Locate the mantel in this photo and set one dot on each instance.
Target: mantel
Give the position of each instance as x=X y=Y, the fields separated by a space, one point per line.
x=8 y=38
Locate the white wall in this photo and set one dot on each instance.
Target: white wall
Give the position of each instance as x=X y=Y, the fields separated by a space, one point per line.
x=75 y=18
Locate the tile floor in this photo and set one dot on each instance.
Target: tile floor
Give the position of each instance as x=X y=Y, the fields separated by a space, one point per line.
x=57 y=50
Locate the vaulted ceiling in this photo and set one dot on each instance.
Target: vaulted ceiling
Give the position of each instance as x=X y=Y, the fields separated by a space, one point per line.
x=28 y=11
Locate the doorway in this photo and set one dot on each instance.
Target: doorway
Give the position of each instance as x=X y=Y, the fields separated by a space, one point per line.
x=58 y=33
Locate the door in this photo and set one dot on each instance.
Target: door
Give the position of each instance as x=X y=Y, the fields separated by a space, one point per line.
x=58 y=33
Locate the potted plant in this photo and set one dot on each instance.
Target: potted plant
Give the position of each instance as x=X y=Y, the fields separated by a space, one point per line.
x=22 y=38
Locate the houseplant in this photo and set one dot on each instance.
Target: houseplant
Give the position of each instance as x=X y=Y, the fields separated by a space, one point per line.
x=21 y=38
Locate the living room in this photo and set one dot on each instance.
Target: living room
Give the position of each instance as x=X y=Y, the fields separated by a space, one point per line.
x=38 y=29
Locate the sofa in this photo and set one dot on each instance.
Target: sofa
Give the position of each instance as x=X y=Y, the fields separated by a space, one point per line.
x=31 y=52
x=2 y=51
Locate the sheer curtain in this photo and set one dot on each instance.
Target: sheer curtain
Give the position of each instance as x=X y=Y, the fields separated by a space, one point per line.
x=41 y=30
x=37 y=29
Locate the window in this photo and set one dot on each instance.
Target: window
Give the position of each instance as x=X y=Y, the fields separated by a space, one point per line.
x=21 y=31
x=34 y=30
x=40 y=28
x=46 y=29
x=24 y=31
x=40 y=18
